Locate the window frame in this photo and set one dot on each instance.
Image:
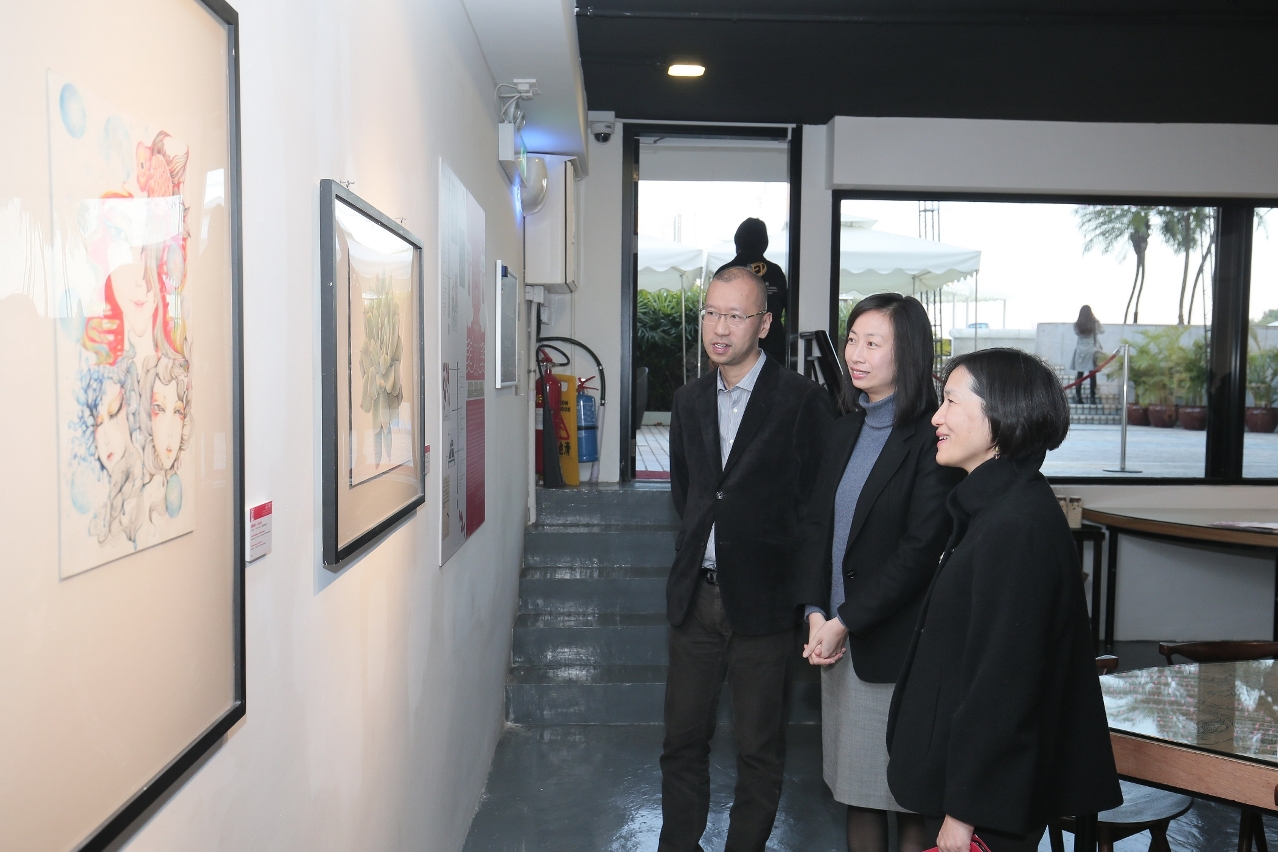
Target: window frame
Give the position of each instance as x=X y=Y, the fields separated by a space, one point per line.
x=1230 y=322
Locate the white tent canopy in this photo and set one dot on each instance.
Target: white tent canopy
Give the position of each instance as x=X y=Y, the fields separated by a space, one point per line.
x=666 y=265
x=873 y=261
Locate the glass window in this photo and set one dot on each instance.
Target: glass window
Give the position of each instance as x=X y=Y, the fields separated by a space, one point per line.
x=686 y=231
x=1260 y=444
x=1072 y=284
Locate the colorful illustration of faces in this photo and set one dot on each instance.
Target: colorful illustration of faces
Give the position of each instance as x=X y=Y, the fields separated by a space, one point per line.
x=124 y=347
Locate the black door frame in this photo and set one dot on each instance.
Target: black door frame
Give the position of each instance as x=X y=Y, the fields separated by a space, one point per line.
x=631 y=133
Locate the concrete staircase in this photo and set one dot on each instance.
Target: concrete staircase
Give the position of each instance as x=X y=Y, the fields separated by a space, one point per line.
x=590 y=637
x=1106 y=411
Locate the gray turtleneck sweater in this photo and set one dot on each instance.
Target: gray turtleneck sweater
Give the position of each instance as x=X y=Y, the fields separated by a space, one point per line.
x=874 y=434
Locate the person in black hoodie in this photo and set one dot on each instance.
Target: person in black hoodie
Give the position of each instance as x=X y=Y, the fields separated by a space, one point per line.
x=997 y=724
x=752 y=241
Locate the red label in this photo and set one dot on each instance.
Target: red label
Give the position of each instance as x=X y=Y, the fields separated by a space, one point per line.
x=259 y=512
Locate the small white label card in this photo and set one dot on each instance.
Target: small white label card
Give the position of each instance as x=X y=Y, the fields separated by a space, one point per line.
x=426 y=466
x=259 y=531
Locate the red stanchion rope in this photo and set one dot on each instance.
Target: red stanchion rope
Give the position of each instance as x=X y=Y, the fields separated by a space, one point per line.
x=1079 y=381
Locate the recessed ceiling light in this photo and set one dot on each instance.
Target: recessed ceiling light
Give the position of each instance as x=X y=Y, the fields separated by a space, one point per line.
x=685 y=69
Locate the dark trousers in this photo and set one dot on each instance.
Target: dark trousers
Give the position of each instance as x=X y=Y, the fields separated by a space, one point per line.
x=1078 y=389
x=997 y=841
x=703 y=651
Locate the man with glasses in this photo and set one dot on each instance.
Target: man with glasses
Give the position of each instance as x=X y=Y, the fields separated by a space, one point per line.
x=745 y=443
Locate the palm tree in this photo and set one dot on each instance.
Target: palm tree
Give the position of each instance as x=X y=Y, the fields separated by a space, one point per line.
x=1107 y=227
x=1214 y=225
x=1184 y=230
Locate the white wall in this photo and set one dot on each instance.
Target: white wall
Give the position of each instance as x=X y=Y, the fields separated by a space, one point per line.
x=814 y=232
x=1053 y=157
x=1180 y=592
x=743 y=160
x=374 y=694
x=593 y=314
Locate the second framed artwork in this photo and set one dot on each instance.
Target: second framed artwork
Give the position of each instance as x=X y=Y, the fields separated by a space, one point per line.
x=372 y=371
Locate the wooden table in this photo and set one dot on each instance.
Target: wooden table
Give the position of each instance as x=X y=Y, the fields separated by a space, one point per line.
x=1209 y=730
x=1192 y=526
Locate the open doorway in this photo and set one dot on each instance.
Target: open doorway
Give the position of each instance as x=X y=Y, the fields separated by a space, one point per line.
x=691 y=193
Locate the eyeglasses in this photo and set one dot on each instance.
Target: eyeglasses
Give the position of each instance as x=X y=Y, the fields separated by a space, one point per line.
x=710 y=317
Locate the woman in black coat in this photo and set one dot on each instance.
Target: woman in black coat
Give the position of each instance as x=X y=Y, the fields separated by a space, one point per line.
x=878 y=513
x=997 y=723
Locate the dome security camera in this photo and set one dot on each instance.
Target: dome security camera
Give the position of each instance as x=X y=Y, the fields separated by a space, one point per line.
x=602 y=131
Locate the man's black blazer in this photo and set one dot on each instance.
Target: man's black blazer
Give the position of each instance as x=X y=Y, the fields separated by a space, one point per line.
x=756 y=501
x=899 y=529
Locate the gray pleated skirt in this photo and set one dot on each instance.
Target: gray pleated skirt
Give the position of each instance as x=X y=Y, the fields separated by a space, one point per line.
x=854 y=718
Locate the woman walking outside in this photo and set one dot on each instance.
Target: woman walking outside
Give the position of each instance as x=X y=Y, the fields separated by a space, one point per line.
x=878 y=516
x=997 y=724
x=1086 y=348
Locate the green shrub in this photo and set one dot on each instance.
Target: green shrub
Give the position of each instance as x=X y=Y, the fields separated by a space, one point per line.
x=1262 y=376
x=660 y=347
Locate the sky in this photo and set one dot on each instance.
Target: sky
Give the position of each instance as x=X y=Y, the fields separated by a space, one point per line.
x=1030 y=253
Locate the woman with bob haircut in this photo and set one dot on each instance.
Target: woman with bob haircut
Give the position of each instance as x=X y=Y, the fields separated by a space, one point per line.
x=878 y=514
x=997 y=724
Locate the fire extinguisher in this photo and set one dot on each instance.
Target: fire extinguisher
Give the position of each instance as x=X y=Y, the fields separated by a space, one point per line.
x=547 y=440
x=587 y=424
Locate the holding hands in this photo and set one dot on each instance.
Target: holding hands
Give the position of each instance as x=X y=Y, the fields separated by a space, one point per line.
x=826 y=640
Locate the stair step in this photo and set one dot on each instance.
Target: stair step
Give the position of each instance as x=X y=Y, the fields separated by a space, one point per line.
x=595 y=572
x=598 y=545
x=631 y=595
x=605 y=505
x=607 y=695
x=589 y=639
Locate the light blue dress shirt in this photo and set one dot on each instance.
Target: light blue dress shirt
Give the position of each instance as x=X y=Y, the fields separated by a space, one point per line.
x=732 y=405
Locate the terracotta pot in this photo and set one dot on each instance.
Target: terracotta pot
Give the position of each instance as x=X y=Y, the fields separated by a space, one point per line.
x=1193 y=417
x=1262 y=419
x=1137 y=415
x=1162 y=416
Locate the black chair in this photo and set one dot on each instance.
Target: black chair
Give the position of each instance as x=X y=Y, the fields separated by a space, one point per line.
x=640 y=398
x=824 y=366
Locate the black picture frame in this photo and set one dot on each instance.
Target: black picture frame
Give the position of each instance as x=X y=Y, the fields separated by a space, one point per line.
x=110 y=830
x=339 y=491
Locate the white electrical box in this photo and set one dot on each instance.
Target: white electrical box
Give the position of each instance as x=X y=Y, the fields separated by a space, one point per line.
x=550 y=234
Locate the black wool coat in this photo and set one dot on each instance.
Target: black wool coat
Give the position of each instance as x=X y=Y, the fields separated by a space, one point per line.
x=756 y=501
x=899 y=529
x=997 y=718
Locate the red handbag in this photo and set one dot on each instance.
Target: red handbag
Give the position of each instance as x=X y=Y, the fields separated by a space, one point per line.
x=978 y=845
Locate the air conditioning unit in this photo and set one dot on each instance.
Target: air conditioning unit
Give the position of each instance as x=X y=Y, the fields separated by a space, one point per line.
x=550 y=234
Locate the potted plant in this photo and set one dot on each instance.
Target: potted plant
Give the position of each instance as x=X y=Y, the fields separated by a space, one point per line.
x=1191 y=373
x=1154 y=372
x=1262 y=380
x=1139 y=373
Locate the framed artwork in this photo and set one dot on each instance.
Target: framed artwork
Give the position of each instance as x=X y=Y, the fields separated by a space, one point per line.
x=125 y=612
x=463 y=341
x=506 y=321
x=371 y=372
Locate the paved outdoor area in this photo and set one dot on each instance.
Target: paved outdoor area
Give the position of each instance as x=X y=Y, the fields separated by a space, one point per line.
x=652 y=448
x=1088 y=451
x=1093 y=450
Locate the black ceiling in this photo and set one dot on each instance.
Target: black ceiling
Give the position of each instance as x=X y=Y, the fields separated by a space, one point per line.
x=809 y=60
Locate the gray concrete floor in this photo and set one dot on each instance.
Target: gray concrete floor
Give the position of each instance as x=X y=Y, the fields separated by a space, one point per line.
x=597 y=788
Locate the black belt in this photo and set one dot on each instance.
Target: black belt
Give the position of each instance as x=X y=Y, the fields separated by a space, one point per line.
x=710 y=575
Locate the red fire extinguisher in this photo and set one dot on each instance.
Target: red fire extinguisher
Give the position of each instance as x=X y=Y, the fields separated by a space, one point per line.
x=548 y=425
